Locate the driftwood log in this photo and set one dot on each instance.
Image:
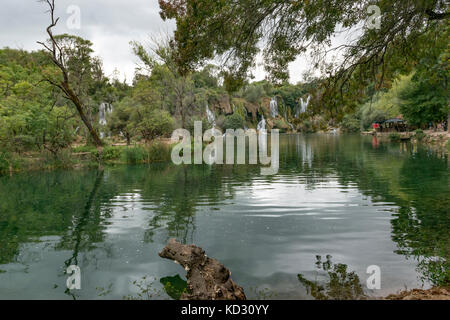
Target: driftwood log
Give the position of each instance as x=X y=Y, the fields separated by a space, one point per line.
x=207 y=278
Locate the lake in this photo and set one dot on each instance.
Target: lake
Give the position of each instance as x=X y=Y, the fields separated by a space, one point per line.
x=359 y=201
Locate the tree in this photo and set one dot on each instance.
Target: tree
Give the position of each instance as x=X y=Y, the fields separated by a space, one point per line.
x=32 y=117
x=235 y=121
x=235 y=30
x=427 y=98
x=177 y=88
x=119 y=121
x=71 y=55
x=424 y=104
x=152 y=123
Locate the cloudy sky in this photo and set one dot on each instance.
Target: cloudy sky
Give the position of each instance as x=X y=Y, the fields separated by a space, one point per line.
x=109 y=24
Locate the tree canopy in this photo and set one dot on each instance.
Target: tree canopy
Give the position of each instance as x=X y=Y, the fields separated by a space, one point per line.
x=238 y=31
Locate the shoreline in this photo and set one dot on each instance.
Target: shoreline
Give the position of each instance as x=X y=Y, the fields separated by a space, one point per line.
x=436 y=293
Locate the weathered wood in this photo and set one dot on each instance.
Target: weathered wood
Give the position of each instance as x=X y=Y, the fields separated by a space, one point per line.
x=207 y=278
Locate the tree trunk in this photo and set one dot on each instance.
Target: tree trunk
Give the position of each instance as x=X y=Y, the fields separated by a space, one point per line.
x=207 y=279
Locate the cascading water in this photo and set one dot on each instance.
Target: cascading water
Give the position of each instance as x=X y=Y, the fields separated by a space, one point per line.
x=303 y=106
x=103 y=110
x=262 y=124
x=212 y=121
x=210 y=116
x=274 y=108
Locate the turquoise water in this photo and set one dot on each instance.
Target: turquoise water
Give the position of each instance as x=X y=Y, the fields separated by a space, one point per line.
x=362 y=202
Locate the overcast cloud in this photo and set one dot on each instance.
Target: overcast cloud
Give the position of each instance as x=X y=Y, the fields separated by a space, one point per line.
x=109 y=24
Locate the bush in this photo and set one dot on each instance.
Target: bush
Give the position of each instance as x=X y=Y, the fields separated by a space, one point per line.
x=190 y=124
x=21 y=143
x=158 y=152
x=371 y=115
x=281 y=125
x=394 y=136
x=84 y=148
x=351 y=124
x=5 y=160
x=134 y=155
x=235 y=121
x=419 y=135
x=154 y=124
x=112 y=153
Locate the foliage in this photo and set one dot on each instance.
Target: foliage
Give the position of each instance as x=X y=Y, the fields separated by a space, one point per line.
x=208 y=28
x=158 y=152
x=341 y=284
x=394 y=136
x=152 y=124
x=281 y=125
x=371 y=115
x=425 y=103
x=112 y=153
x=146 y=289
x=119 y=121
x=134 y=155
x=419 y=135
x=351 y=123
x=234 y=121
x=190 y=124
x=174 y=286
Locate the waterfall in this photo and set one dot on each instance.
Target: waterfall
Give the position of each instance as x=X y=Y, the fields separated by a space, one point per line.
x=104 y=109
x=262 y=124
x=287 y=121
x=273 y=108
x=303 y=106
x=210 y=116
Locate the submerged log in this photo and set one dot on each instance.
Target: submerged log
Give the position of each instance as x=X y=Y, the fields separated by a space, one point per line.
x=207 y=278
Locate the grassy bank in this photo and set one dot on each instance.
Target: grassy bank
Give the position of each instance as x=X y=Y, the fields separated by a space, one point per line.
x=84 y=156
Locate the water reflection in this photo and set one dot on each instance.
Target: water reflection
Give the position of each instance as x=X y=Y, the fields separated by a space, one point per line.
x=384 y=204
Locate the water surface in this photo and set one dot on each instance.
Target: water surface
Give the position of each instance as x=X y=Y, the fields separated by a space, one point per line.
x=362 y=202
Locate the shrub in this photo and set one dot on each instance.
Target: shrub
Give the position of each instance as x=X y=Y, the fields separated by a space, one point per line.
x=190 y=124
x=281 y=125
x=158 y=152
x=420 y=135
x=5 y=160
x=111 y=153
x=134 y=155
x=394 y=136
x=371 y=115
x=155 y=123
x=84 y=148
x=351 y=124
x=21 y=143
x=234 y=121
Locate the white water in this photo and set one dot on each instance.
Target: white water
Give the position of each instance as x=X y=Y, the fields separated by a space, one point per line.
x=210 y=116
x=262 y=124
x=103 y=111
x=303 y=106
x=274 y=108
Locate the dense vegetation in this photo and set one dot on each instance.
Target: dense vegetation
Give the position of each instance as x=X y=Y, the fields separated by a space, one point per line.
x=50 y=99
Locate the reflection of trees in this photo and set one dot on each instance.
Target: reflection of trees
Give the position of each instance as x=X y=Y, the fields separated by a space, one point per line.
x=82 y=222
x=414 y=179
x=64 y=203
x=339 y=284
x=178 y=192
x=39 y=205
